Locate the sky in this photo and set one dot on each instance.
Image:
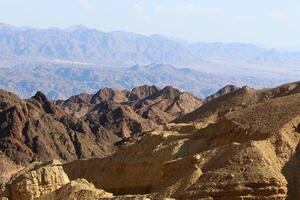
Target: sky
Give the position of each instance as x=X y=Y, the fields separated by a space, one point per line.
x=270 y=23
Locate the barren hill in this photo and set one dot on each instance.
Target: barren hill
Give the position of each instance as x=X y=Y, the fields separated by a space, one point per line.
x=241 y=145
x=237 y=100
x=84 y=125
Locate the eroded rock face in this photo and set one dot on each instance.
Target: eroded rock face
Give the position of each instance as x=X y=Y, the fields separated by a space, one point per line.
x=48 y=181
x=183 y=167
x=76 y=190
x=183 y=161
x=250 y=153
x=37 y=180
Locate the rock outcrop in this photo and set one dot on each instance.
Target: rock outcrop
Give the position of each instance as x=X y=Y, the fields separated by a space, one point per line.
x=48 y=181
x=77 y=190
x=37 y=180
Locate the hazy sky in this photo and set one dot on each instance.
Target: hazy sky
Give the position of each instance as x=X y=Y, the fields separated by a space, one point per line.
x=274 y=23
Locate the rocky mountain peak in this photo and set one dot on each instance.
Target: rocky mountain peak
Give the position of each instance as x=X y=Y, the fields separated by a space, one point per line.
x=225 y=90
x=80 y=98
x=44 y=102
x=167 y=92
x=8 y=99
x=82 y=126
x=109 y=94
x=142 y=92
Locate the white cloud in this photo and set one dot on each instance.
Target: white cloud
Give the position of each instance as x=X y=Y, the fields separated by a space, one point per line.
x=281 y=16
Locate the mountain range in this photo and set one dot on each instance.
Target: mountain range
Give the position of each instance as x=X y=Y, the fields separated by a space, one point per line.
x=65 y=62
x=241 y=143
x=82 y=44
x=85 y=125
x=86 y=114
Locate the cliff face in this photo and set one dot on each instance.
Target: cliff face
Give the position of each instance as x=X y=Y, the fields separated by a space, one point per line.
x=243 y=145
x=225 y=160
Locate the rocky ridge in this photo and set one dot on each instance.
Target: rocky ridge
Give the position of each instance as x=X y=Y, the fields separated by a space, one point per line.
x=84 y=125
x=225 y=90
x=242 y=145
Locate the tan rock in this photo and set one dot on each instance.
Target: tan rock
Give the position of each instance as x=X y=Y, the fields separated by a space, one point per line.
x=129 y=197
x=37 y=180
x=247 y=154
x=78 y=189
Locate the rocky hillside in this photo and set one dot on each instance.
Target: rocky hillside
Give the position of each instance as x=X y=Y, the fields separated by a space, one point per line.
x=242 y=145
x=237 y=100
x=84 y=125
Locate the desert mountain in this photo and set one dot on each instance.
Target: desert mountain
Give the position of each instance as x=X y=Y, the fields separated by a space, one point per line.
x=85 y=45
x=82 y=60
x=225 y=90
x=127 y=112
x=84 y=125
x=241 y=145
x=237 y=100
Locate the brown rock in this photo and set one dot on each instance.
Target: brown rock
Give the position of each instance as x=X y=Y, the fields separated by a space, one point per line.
x=84 y=126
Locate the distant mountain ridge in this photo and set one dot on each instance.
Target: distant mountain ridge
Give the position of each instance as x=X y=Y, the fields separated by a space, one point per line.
x=80 y=43
x=65 y=62
x=83 y=44
x=59 y=81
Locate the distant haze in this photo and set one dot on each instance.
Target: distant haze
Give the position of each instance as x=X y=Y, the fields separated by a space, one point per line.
x=80 y=44
x=269 y=23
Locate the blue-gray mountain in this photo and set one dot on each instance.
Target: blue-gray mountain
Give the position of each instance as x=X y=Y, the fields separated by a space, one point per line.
x=64 y=62
x=121 y=48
